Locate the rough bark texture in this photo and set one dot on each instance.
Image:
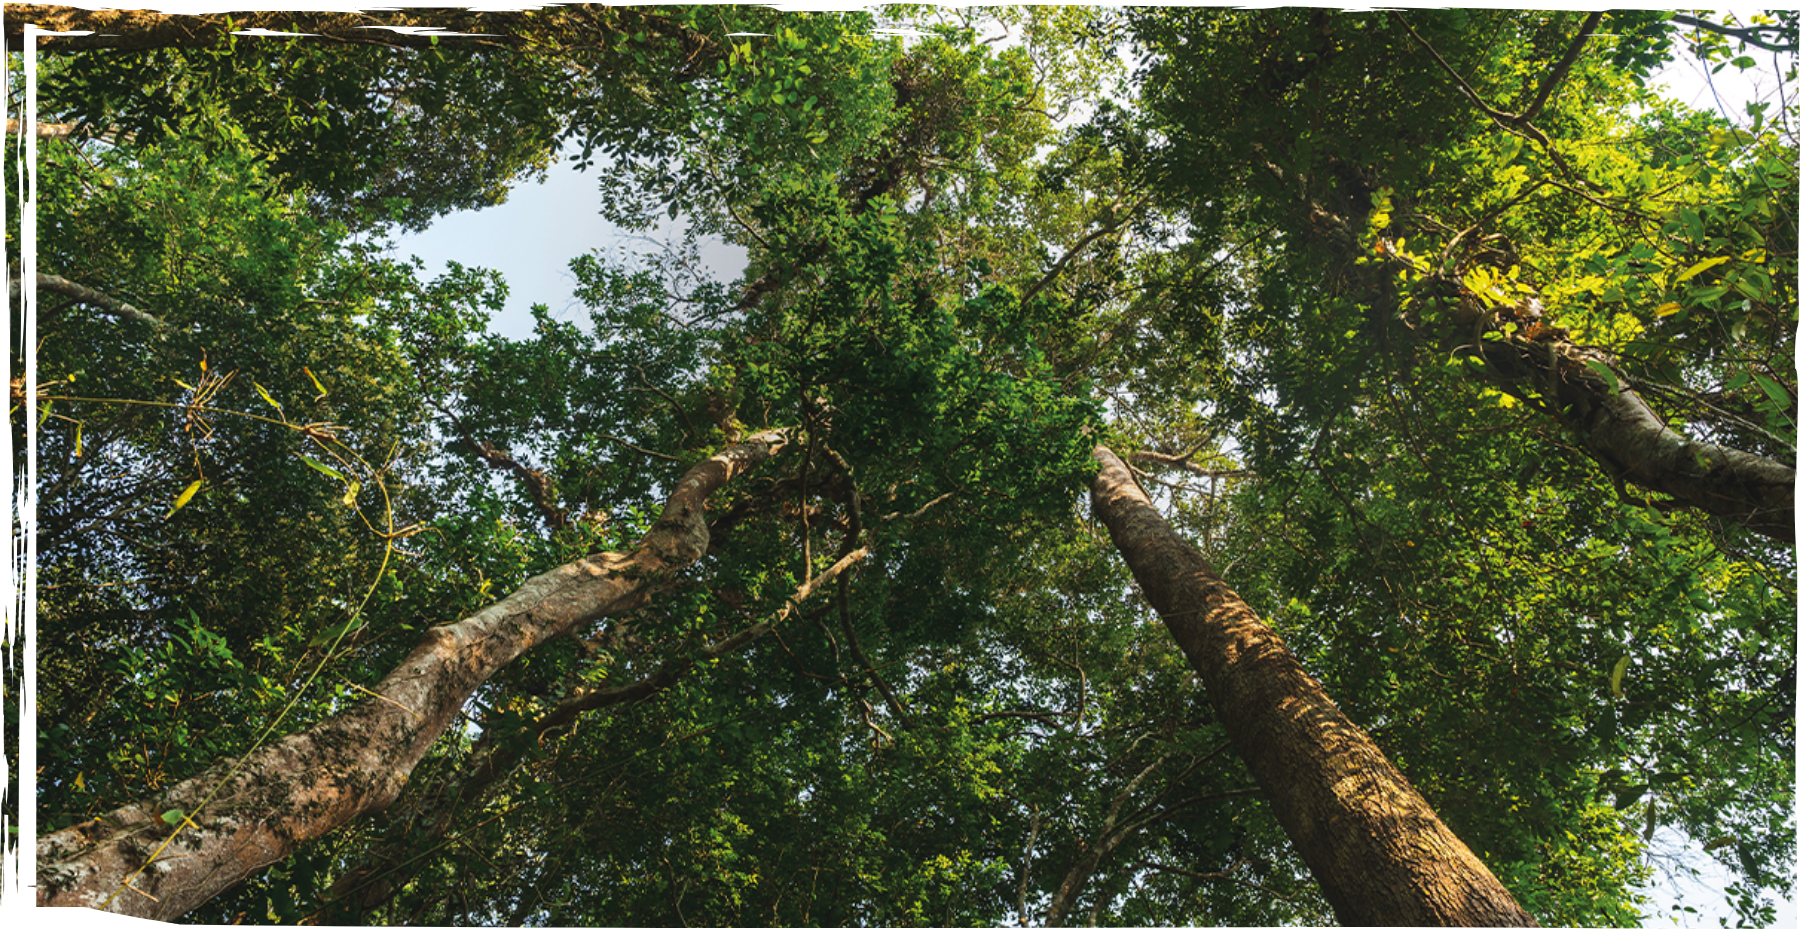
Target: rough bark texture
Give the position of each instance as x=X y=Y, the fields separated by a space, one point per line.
x=1618 y=430
x=1380 y=854
x=382 y=873
x=307 y=784
x=555 y=29
x=1622 y=433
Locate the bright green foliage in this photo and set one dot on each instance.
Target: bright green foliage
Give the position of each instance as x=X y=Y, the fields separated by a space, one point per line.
x=969 y=263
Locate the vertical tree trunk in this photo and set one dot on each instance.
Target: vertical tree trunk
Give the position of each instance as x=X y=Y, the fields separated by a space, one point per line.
x=310 y=783
x=1381 y=855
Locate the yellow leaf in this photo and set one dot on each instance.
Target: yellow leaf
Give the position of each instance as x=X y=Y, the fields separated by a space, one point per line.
x=350 y=495
x=1669 y=309
x=186 y=496
x=1699 y=267
x=315 y=381
x=80 y=781
x=265 y=395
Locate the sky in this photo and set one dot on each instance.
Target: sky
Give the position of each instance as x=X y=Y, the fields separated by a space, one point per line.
x=531 y=238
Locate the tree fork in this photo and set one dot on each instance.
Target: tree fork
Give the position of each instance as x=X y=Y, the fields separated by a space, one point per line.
x=1380 y=854
x=307 y=784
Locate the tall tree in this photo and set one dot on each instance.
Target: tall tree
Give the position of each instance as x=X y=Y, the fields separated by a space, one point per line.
x=904 y=681
x=1380 y=853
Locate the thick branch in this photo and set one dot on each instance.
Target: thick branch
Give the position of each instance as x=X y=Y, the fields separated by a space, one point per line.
x=492 y=760
x=1619 y=431
x=552 y=30
x=308 y=784
x=1632 y=443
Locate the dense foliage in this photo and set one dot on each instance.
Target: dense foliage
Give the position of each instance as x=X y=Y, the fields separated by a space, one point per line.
x=1263 y=249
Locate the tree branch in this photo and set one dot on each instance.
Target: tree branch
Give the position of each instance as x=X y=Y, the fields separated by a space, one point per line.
x=89 y=296
x=371 y=883
x=1561 y=70
x=1181 y=462
x=1749 y=35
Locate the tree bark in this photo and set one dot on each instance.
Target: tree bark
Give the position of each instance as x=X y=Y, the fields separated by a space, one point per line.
x=1618 y=430
x=373 y=881
x=553 y=30
x=1380 y=854
x=307 y=784
x=1626 y=437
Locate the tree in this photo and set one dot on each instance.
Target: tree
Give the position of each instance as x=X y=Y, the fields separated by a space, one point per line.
x=900 y=680
x=1378 y=850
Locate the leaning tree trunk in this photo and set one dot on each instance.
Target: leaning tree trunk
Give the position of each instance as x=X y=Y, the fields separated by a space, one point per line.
x=309 y=783
x=1380 y=854
x=586 y=26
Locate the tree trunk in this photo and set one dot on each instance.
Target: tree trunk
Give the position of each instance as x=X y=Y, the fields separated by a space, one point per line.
x=1380 y=854
x=307 y=784
x=555 y=29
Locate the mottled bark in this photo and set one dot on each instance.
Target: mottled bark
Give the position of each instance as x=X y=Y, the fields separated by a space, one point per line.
x=385 y=870
x=1617 y=429
x=307 y=784
x=54 y=284
x=1622 y=433
x=557 y=29
x=1380 y=854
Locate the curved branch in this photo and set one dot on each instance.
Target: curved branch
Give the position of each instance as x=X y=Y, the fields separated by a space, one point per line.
x=1621 y=432
x=1182 y=462
x=537 y=484
x=1561 y=70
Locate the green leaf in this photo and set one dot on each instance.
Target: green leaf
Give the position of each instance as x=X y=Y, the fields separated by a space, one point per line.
x=1773 y=389
x=321 y=466
x=1606 y=374
x=1618 y=676
x=333 y=634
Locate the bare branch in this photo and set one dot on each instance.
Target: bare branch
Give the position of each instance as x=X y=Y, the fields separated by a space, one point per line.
x=1749 y=35
x=1181 y=462
x=1561 y=70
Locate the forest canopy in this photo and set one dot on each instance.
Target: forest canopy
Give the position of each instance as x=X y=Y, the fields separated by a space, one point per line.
x=1163 y=466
